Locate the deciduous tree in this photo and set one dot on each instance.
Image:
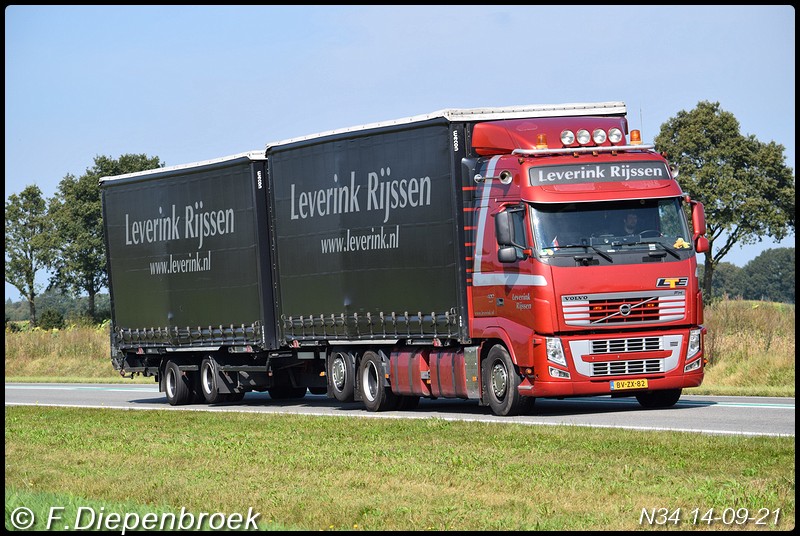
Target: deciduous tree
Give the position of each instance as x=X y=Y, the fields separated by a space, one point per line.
x=745 y=185
x=80 y=265
x=28 y=249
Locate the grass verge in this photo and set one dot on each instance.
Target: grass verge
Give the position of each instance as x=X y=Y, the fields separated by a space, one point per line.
x=322 y=473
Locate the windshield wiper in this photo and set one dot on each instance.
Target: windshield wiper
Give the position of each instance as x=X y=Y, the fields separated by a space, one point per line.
x=666 y=248
x=603 y=254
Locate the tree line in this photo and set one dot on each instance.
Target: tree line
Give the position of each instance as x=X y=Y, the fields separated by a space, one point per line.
x=56 y=309
x=746 y=188
x=768 y=277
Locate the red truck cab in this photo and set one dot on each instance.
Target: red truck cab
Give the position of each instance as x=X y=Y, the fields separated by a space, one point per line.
x=584 y=265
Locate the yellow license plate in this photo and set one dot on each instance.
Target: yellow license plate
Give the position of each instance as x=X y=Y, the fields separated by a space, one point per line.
x=622 y=385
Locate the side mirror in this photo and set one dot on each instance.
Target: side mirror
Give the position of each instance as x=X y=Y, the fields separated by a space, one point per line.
x=698 y=219
x=507 y=254
x=701 y=244
x=504 y=228
x=504 y=232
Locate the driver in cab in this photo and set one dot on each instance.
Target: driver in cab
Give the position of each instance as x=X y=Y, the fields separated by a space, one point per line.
x=630 y=224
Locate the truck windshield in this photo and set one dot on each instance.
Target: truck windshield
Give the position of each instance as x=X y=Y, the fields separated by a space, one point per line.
x=610 y=226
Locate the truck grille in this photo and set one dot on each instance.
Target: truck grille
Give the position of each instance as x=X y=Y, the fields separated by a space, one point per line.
x=618 y=346
x=629 y=308
x=617 y=368
x=615 y=346
x=626 y=356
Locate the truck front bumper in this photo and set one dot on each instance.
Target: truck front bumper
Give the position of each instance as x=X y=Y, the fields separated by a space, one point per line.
x=603 y=386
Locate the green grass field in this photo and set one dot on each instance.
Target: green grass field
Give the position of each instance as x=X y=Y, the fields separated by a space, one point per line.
x=334 y=473
x=319 y=473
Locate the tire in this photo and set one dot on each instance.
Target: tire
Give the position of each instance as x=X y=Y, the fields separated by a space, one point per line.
x=659 y=399
x=208 y=382
x=500 y=384
x=341 y=372
x=177 y=385
x=286 y=392
x=377 y=396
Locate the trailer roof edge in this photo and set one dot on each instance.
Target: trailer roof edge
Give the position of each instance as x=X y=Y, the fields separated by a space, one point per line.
x=479 y=114
x=252 y=155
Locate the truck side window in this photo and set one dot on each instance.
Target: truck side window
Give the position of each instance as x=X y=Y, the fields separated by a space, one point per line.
x=520 y=236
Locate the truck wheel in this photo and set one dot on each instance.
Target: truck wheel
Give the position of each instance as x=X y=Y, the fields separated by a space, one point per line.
x=341 y=373
x=501 y=382
x=659 y=399
x=208 y=382
x=177 y=385
x=376 y=395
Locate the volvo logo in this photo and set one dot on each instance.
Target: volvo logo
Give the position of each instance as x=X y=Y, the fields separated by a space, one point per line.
x=624 y=309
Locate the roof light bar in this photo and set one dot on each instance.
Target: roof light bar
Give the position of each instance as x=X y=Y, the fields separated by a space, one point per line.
x=570 y=150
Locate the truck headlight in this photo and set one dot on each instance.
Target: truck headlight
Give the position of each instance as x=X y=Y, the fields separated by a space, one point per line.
x=694 y=344
x=555 y=352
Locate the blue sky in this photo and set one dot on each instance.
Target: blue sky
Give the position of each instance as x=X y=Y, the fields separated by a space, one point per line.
x=193 y=83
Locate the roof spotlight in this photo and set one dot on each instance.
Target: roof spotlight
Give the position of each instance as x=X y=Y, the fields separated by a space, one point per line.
x=599 y=136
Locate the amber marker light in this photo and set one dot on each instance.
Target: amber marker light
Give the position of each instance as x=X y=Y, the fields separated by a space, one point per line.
x=541 y=141
x=636 y=137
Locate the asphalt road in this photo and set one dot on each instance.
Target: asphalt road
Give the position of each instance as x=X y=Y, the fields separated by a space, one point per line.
x=727 y=415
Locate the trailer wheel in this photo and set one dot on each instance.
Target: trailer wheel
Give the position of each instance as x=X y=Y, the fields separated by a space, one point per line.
x=208 y=382
x=501 y=382
x=177 y=385
x=341 y=375
x=659 y=399
x=376 y=395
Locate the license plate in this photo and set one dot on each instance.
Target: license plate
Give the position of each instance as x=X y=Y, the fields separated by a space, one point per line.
x=622 y=385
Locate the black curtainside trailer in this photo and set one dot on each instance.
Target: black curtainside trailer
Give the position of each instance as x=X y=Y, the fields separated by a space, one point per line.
x=279 y=271
x=189 y=264
x=368 y=235
x=187 y=255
